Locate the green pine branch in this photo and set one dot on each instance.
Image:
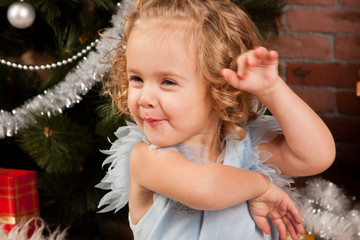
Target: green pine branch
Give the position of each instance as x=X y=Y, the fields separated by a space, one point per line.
x=61 y=29
x=57 y=144
x=66 y=197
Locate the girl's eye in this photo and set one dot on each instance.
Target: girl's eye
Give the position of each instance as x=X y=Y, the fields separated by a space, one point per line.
x=168 y=82
x=136 y=79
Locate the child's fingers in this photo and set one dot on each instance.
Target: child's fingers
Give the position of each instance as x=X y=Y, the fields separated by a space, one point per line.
x=243 y=62
x=253 y=58
x=262 y=223
x=246 y=60
x=294 y=213
x=262 y=55
x=280 y=226
x=250 y=59
x=290 y=228
x=296 y=223
x=257 y=56
x=293 y=221
x=231 y=77
x=273 y=55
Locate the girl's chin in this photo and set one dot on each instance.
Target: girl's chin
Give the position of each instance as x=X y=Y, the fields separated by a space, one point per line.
x=161 y=142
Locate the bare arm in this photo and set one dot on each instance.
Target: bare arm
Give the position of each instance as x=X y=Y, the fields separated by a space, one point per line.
x=207 y=187
x=214 y=186
x=307 y=146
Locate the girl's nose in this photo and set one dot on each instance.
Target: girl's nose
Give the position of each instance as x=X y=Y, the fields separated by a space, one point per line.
x=147 y=97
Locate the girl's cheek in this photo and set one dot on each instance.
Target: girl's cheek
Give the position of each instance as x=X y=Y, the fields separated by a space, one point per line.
x=131 y=105
x=131 y=99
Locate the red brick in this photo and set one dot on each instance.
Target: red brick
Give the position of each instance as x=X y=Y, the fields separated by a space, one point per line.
x=347 y=47
x=350 y=2
x=313 y=2
x=325 y=74
x=311 y=47
x=321 y=101
x=323 y=20
x=348 y=103
x=344 y=129
x=281 y=24
x=282 y=69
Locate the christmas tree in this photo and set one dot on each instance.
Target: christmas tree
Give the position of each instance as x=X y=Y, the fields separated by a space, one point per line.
x=52 y=116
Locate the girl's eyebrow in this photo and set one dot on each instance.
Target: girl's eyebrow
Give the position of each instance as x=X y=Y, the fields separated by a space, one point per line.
x=132 y=70
x=171 y=74
x=162 y=73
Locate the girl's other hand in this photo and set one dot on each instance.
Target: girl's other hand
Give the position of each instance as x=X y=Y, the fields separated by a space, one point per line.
x=257 y=72
x=282 y=211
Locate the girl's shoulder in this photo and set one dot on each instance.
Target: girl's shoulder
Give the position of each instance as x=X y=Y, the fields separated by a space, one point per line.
x=142 y=153
x=118 y=166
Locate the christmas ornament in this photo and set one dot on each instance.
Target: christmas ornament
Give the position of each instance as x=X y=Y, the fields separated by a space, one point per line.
x=54 y=64
x=21 y=14
x=68 y=92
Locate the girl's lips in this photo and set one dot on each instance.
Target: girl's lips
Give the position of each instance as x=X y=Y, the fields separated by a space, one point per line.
x=153 y=122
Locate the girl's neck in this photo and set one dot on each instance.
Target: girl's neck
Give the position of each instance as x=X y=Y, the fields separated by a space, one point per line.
x=214 y=156
x=209 y=150
x=208 y=141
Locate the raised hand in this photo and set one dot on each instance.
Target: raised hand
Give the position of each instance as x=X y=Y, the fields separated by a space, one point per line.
x=257 y=72
x=282 y=211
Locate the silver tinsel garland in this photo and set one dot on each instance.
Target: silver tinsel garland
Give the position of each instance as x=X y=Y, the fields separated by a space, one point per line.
x=69 y=91
x=327 y=212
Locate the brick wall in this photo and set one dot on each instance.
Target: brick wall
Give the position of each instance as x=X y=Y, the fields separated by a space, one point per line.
x=319 y=47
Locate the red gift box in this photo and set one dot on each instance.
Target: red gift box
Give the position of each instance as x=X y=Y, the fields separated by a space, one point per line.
x=19 y=199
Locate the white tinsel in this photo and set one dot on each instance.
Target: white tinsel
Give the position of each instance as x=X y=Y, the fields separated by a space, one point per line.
x=69 y=91
x=327 y=211
x=38 y=228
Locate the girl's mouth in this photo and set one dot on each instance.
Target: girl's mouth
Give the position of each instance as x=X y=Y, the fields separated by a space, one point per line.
x=153 y=122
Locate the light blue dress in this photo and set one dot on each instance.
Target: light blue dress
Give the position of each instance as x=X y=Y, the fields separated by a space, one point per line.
x=168 y=219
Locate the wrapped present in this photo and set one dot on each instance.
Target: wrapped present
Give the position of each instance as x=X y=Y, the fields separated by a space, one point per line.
x=19 y=199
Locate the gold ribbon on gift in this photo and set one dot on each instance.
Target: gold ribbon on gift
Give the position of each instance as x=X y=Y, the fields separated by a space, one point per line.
x=305 y=236
x=15 y=220
x=8 y=220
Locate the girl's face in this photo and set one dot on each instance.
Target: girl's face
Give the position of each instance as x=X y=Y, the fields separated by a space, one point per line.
x=167 y=98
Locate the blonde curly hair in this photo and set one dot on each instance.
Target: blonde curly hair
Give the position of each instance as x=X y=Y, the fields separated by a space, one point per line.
x=220 y=31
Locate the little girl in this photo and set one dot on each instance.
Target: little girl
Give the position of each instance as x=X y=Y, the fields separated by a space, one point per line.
x=202 y=159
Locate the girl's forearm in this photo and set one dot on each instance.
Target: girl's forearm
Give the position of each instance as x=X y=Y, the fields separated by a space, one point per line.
x=224 y=186
x=207 y=187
